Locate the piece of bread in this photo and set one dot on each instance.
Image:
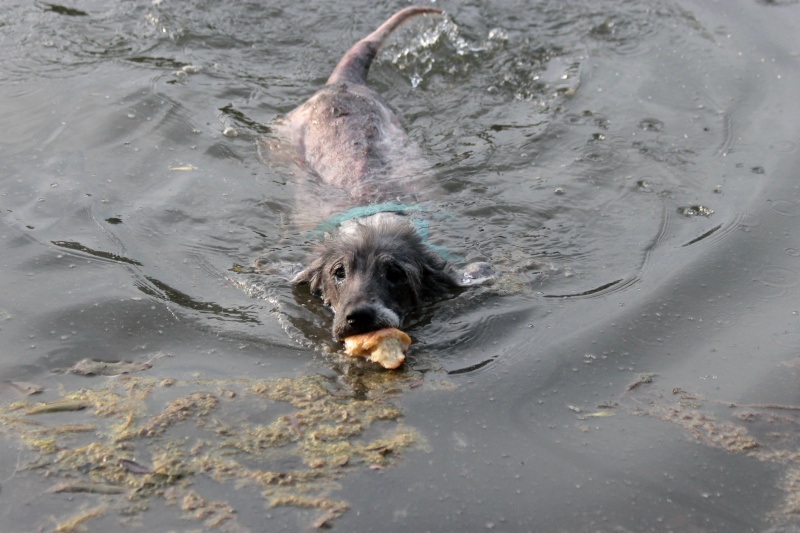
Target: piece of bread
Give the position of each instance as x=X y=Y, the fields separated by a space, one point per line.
x=387 y=347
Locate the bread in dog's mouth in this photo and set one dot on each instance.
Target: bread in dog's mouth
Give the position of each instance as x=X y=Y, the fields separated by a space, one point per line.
x=387 y=346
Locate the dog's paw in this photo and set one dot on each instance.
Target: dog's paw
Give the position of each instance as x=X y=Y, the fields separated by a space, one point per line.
x=474 y=274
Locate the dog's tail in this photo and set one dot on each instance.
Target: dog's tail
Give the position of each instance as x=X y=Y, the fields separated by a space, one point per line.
x=354 y=65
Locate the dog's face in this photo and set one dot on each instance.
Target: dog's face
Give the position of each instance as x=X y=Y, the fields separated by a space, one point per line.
x=374 y=274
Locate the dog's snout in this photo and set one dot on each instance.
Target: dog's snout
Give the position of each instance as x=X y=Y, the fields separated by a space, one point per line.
x=361 y=319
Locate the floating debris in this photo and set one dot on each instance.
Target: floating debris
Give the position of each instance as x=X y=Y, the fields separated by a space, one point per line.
x=25 y=388
x=67 y=428
x=651 y=124
x=212 y=513
x=289 y=439
x=599 y=414
x=643 y=380
x=58 y=406
x=691 y=211
x=643 y=185
x=134 y=468
x=92 y=367
x=752 y=430
x=75 y=522
x=8 y=420
x=82 y=486
x=179 y=411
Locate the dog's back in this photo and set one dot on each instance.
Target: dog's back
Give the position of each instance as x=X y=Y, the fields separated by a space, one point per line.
x=347 y=134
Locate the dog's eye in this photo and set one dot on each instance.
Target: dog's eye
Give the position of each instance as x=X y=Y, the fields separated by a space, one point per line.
x=339 y=273
x=394 y=274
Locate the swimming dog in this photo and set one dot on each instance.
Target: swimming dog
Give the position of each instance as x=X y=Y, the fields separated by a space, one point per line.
x=374 y=267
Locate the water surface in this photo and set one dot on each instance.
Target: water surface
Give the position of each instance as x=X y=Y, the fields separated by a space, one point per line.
x=629 y=167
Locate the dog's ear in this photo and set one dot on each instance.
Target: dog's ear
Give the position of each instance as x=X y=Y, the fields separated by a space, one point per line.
x=474 y=274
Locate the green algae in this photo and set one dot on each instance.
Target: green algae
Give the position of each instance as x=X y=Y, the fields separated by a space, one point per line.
x=766 y=433
x=74 y=522
x=139 y=439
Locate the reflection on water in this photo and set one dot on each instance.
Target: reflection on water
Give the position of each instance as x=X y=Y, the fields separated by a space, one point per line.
x=628 y=168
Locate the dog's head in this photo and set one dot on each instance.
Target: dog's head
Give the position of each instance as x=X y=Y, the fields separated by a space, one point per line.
x=373 y=274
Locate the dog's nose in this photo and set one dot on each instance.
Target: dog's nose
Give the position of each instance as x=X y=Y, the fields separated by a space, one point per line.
x=361 y=319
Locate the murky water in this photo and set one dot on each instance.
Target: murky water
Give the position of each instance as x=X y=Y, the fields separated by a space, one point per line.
x=629 y=167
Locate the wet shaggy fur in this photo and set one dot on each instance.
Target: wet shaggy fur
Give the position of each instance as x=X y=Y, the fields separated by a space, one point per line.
x=373 y=275
x=375 y=271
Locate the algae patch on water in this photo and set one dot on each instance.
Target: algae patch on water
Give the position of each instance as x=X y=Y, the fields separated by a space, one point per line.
x=764 y=432
x=140 y=440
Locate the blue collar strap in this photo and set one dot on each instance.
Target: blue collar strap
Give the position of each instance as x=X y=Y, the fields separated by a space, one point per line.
x=333 y=222
x=420 y=224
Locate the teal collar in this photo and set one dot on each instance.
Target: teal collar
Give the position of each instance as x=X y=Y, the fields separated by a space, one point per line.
x=420 y=224
x=333 y=222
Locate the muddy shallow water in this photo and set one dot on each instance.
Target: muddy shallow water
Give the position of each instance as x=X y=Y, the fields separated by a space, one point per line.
x=629 y=167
